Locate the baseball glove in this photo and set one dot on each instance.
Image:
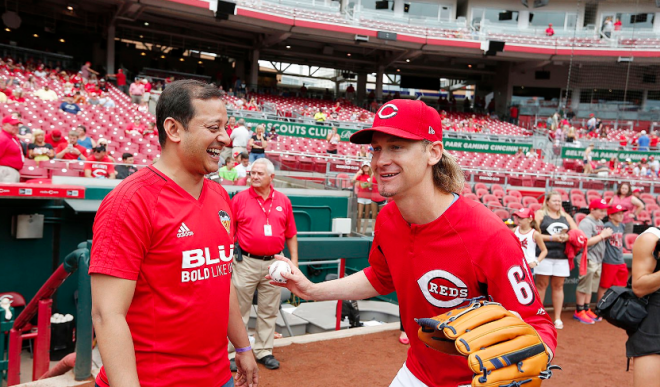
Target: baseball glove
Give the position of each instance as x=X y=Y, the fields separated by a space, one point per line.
x=502 y=349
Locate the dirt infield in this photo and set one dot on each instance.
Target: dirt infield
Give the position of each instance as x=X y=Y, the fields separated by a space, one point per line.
x=590 y=355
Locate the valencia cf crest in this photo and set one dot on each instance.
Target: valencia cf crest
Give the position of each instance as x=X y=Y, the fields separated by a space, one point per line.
x=225 y=219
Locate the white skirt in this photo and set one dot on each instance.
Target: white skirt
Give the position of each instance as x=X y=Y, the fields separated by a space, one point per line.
x=553 y=267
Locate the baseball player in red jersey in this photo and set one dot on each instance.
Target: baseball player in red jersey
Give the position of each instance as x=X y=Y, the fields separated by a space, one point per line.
x=163 y=304
x=434 y=248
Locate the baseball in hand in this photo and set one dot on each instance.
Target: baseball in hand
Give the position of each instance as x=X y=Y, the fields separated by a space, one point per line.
x=276 y=269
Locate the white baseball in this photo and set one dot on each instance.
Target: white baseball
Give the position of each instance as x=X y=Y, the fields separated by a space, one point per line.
x=276 y=269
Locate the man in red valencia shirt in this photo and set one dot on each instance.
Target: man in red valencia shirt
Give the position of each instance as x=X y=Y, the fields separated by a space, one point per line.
x=162 y=301
x=434 y=248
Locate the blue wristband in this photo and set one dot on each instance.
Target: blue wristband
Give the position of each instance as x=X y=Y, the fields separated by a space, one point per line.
x=245 y=349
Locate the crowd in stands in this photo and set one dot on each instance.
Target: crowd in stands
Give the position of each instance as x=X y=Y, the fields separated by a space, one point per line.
x=72 y=123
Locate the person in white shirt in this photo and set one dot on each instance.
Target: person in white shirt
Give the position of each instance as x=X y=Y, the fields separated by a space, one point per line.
x=530 y=237
x=654 y=164
x=243 y=166
x=46 y=94
x=240 y=137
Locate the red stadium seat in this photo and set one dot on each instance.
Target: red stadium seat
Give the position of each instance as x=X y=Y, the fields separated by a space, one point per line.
x=496 y=187
x=344 y=181
x=490 y=198
x=516 y=193
x=481 y=192
x=33 y=172
x=644 y=217
x=579 y=202
x=647 y=198
x=510 y=199
x=66 y=172
x=527 y=200
x=479 y=186
x=607 y=195
x=535 y=206
x=502 y=214
x=494 y=205
x=499 y=194
x=471 y=196
x=629 y=240
x=651 y=207
x=515 y=206
x=242 y=181
x=579 y=216
x=592 y=192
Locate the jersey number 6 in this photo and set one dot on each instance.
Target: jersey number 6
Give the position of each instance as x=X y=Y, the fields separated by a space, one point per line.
x=521 y=288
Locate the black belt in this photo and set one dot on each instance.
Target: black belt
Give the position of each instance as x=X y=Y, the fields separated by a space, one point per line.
x=262 y=257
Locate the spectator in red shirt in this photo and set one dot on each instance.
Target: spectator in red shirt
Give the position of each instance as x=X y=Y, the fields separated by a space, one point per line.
x=17 y=97
x=654 y=141
x=120 y=77
x=137 y=127
x=147 y=90
x=4 y=88
x=513 y=115
x=55 y=138
x=11 y=151
x=71 y=150
x=617 y=25
x=549 y=31
x=99 y=164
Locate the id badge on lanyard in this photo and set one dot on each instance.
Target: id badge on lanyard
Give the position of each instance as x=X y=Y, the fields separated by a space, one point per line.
x=268 y=230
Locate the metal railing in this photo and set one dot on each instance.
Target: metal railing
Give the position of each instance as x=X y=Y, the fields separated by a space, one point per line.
x=41 y=304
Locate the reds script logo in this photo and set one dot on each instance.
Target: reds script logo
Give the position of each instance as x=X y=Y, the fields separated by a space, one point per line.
x=442 y=289
x=523 y=242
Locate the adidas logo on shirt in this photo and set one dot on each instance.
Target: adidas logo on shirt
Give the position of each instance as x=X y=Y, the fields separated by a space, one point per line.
x=184 y=231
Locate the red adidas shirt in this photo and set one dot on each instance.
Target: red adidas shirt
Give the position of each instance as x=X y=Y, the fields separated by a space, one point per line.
x=250 y=218
x=102 y=168
x=179 y=251
x=466 y=253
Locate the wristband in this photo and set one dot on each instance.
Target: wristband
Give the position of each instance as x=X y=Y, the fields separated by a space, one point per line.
x=245 y=349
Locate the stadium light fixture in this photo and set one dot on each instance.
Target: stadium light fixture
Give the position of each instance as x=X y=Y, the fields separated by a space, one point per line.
x=200 y=62
x=146 y=24
x=36 y=35
x=348 y=54
x=143 y=54
x=7 y=29
x=62 y=40
x=398 y=70
x=288 y=47
x=407 y=60
x=162 y=57
x=69 y=8
x=181 y=59
x=141 y=36
x=469 y=66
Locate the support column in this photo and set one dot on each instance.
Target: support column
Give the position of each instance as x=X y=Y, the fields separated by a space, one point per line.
x=361 y=89
x=503 y=88
x=343 y=5
x=398 y=8
x=337 y=91
x=379 y=83
x=575 y=99
x=656 y=22
x=254 y=71
x=523 y=20
x=110 y=57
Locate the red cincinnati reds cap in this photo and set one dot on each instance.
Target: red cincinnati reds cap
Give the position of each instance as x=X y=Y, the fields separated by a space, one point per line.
x=524 y=213
x=615 y=209
x=598 y=204
x=404 y=118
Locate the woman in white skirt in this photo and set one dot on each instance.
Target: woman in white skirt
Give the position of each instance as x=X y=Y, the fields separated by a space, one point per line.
x=554 y=223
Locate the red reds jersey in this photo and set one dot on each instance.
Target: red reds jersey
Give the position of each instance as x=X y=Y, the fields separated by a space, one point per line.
x=102 y=168
x=71 y=156
x=179 y=251
x=466 y=253
x=11 y=152
x=250 y=213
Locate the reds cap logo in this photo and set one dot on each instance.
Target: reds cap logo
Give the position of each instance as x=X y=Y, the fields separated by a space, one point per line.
x=442 y=289
x=391 y=108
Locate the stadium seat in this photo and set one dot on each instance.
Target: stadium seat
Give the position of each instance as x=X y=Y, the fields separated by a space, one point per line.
x=644 y=217
x=656 y=222
x=490 y=198
x=344 y=181
x=494 y=205
x=479 y=186
x=471 y=196
x=510 y=199
x=607 y=195
x=502 y=214
x=647 y=198
x=499 y=194
x=528 y=200
x=66 y=172
x=579 y=202
x=628 y=240
x=33 y=172
x=496 y=187
x=535 y=206
x=651 y=207
x=242 y=181
x=592 y=192
x=516 y=193
x=481 y=192
x=515 y=206
x=578 y=217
